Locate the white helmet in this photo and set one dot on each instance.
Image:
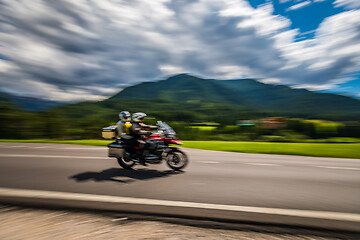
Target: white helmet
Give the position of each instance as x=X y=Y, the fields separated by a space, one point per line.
x=124 y=116
x=136 y=117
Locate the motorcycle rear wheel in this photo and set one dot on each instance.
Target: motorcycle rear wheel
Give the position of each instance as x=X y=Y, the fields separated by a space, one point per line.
x=177 y=160
x=126 y=162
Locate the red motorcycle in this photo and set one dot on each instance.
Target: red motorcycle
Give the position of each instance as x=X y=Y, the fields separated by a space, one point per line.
x=157 y=146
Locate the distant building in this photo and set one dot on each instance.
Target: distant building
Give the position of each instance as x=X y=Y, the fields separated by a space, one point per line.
x=272 y=123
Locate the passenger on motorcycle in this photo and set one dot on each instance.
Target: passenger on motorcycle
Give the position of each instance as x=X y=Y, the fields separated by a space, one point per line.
x=139 y=130
x=124 y=131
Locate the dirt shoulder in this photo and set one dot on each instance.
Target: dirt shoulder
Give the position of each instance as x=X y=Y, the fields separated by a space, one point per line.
x=29 y=223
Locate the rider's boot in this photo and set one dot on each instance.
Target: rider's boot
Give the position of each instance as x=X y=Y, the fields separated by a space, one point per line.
x=143 y=156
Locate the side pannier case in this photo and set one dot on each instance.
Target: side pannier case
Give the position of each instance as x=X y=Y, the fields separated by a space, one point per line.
x=116 y=150
x=109 y=133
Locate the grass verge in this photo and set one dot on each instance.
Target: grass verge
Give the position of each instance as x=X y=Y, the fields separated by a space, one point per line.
x=303 y=149
x=339 y=150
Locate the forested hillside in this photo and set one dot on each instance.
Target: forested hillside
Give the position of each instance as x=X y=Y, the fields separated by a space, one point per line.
x=184 y=100
x=247 y=94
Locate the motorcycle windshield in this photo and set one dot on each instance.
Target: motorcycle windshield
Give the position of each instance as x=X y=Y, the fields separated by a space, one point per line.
x=166 y=128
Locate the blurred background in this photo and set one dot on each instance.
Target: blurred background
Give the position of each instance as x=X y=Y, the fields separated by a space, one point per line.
x=240 y=70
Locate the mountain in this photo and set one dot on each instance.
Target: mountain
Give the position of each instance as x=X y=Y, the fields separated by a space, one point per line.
x=29 y=103
x=247 y=93
x=285 y=99
x=180 y=100
x=182 y=88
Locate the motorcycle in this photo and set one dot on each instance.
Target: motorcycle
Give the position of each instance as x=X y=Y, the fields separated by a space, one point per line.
x=157 y=147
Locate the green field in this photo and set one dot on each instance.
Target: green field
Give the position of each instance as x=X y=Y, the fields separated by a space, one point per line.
x=204 y=128
x=304 y=149
x=339 y=150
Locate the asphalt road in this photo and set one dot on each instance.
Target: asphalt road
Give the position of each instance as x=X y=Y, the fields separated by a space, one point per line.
x=256 y=180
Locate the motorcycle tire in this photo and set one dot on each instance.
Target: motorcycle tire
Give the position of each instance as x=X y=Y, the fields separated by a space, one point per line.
x=125 y=164
x=177 y=160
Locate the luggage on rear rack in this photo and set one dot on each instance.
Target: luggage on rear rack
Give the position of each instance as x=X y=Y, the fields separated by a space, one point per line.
x=109 y=133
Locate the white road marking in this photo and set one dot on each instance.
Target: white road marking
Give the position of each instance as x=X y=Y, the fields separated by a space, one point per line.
x=209 y=162
x=52 y=146
x=340 y=168
x=40 y=194
x=50 y=156
x=16 y=146
x=78 y=148
x=262 y=164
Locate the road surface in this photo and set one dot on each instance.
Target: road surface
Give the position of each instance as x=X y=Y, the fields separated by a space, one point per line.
x=229 y=183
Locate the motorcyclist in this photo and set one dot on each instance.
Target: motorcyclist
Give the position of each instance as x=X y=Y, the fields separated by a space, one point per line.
x=124 y=131
x=139 y=130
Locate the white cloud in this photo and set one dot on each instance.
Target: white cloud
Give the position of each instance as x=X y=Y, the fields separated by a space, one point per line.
x=35 y=89
x=260 y=19
x=333 y=52
x=77 y=29
x=6 y=66
x=270 y=80
x=88 y=49
x=307 y=32
x=347 y=4
x=299 y=5
x=231 y=72
x=321 y=65
x=314 y=87
x=171 y=69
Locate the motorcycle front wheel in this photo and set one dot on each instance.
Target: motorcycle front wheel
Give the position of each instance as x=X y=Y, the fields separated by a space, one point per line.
x=177 y=160
x=126 y=162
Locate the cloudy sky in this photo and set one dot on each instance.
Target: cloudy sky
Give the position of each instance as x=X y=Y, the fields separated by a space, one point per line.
x=89 y=49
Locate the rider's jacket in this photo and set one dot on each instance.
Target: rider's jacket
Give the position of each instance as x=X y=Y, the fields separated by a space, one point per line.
x=124 y=129
x=137 y=131
x=147 y=127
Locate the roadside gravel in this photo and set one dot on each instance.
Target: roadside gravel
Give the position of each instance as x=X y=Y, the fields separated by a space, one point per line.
x=30 y=223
